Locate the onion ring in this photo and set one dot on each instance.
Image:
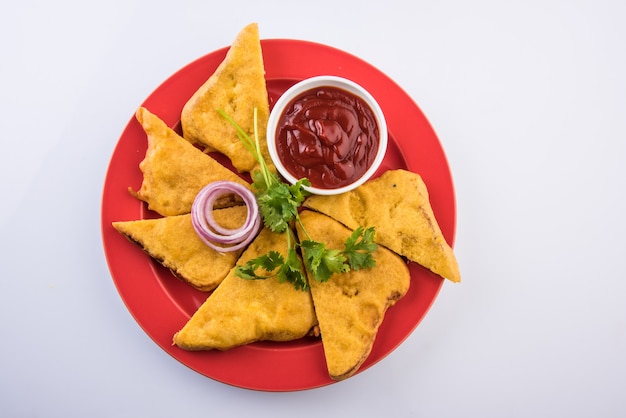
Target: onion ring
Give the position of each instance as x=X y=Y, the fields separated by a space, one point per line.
x=210 y=232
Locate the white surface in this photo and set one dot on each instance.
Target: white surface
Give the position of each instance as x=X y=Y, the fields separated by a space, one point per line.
x=528 y=99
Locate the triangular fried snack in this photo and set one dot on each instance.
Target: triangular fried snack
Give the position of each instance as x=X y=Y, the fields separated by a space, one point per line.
x=243 y=311
x=174 y=170
x=237 y=87
x=173 y=242
x=397 y=204
x=351 y=306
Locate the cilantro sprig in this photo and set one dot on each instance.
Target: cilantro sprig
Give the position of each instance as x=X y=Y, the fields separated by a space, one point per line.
x=356 y=255
x=278 y=205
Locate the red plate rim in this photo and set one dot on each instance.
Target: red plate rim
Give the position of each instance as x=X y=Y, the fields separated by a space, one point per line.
x=143 y=285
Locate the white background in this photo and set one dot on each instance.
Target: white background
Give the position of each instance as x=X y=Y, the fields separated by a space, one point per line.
x=528 y=99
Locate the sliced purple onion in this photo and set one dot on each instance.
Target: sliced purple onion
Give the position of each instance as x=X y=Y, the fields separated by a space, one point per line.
x=213 y=234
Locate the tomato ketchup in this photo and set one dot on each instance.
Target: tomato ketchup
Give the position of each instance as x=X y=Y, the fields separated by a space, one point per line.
x=327 y=135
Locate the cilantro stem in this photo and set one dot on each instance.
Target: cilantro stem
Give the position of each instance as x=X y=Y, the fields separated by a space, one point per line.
x=303 y=228
x=242 y=135
x=260 y=158
x=252 y=145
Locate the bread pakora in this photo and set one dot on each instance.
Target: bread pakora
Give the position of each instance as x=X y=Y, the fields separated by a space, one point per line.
x=351 y=306
x=243 y=311
x=237 y=87
x=174 y=171
x=397 y=204
x=173 y=242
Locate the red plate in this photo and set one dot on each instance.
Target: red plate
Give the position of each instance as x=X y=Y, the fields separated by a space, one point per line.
x=161 y=304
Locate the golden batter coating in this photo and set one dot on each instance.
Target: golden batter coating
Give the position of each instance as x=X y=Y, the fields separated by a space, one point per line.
x=243 y=311
x=173 y=242
x=237 y=87
x=397 y=204
x=174 y=171
x=351 y=306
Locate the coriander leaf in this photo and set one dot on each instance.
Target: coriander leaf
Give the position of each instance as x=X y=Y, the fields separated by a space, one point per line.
x=298 y=192
x=268 y=262
x=276 y=207
x=291 y=271
x=359 y=248
x=246 y=272
x=322 y=262
x=258 y=182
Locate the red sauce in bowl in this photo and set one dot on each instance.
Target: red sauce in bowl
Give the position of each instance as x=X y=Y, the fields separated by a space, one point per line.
x=328 y=135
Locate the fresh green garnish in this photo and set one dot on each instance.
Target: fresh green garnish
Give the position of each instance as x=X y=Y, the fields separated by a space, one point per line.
x=359 y=248
x=278 y=201
x=321 y=261
x=275 y=265
x=278 y=205
x=356 y=255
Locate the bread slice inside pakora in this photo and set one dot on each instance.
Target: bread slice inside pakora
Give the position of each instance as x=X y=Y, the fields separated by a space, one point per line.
x=237 y=87
x=173 y=242
x=397 y=204
x=243 y=311
x=351 y=306
x=174 y=171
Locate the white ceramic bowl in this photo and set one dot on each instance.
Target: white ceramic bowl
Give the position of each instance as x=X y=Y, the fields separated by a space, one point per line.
x=316 y=83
